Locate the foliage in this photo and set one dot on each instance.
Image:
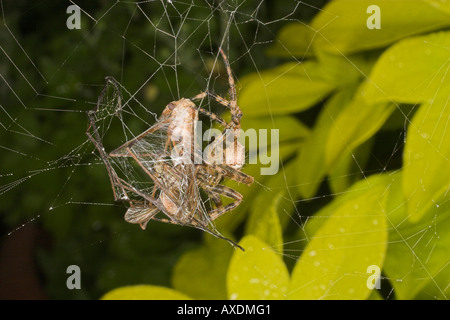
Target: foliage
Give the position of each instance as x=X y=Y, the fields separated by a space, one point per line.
x=363 y=78
x=338 y=93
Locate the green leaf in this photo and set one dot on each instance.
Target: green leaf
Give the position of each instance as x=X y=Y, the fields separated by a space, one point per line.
x=342 y=25
x=292 y=87
x=201 y=273
x=289 y=129
x=293 y=40
x=258 y=273
x=377 y=185
x=395 y=202
x=358 y=189
x=417 y=257
x=144 y=292
x=354 y=237
x=355 y=124
x=264 y=222
x=375 y=295
x=265 y=133
x=345 y=71
x=411 y=71
x=426 y=156
x=349 y=168
x=441 y=5
x=437 y=287
x=311 y=160
x=272 y=207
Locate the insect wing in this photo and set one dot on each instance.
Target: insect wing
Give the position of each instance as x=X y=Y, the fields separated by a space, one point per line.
x=140 y=214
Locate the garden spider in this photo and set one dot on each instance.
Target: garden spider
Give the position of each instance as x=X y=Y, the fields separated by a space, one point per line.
x=176 y=174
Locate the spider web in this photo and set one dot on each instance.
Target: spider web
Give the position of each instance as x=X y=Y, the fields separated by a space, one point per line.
x=52 y=178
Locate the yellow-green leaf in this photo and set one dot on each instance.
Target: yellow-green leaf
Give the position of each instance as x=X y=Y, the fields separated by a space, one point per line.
x=264 y=222
x=258 y=273
x=259 y=131
x=271 y=208
x=344 y=70
x=349 y=168
x=411 y=71
x=426 y=178
x=418 y=256
x=441 y=5
x=144 y=292
x=292 y=87
x=206 y=267
x=342 y=25
x=355 y=124
x=311 y=160
x=335 y=261
x=293 y=40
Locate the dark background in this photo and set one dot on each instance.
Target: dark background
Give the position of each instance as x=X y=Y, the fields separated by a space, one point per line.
x=56 y=208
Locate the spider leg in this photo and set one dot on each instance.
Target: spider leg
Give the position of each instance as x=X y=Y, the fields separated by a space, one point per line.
x=230 y=76
x=216 y=97
x=236 y=113
x=224 y=191
x=213 y=116
x=210 y=114
x=237 y=175
x=215 y=198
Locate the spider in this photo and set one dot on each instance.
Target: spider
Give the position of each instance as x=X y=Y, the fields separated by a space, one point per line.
x=177 y=177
